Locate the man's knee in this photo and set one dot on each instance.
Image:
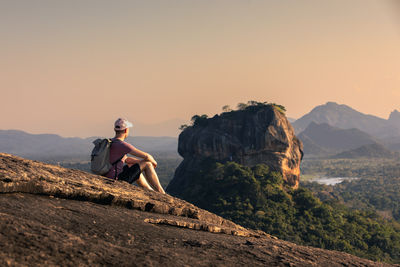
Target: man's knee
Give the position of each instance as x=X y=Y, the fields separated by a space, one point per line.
x=145 y=164
x=149 y=165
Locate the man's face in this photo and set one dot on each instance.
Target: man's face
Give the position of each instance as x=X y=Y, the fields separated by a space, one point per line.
x=127 y=132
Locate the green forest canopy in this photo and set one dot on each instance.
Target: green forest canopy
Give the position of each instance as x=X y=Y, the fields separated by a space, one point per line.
x=257 y=198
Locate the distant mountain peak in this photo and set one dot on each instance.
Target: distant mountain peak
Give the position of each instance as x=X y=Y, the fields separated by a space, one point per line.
x=345 y=117
x=333 y=104
x=394 y=118
x=395 y=114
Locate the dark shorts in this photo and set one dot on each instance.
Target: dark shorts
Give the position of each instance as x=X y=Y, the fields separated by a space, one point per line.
x=130 y=174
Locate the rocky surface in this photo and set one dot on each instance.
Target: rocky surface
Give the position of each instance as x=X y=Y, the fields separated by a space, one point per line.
x=52 y=216
x=18 y=175
x=248 y=137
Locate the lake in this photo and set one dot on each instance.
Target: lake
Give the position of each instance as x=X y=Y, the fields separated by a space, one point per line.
x=332 y=180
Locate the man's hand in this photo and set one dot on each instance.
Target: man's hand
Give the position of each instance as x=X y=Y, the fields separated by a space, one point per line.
x=152 y=160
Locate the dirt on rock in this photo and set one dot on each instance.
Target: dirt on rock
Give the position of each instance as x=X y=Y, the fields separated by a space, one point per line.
x=52 y=216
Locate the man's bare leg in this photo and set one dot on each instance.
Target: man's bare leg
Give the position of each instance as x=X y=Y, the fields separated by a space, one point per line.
x=151 y=176
x=142 y=182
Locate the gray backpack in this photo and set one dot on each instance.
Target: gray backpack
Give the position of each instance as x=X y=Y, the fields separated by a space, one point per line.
x=100 y=157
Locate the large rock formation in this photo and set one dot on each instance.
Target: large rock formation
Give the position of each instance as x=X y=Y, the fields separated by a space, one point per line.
x=59 y=217
x=257 y=135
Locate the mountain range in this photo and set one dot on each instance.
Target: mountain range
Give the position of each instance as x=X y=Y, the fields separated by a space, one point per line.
x=326 y=139
x=333 y=128
x=326 y=130
x=345 y=117
x=51 y=146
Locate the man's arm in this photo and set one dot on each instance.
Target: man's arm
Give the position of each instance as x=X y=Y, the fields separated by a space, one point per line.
x=141 y=154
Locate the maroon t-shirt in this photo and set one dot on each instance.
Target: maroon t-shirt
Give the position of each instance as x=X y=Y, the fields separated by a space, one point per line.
x=118 y=150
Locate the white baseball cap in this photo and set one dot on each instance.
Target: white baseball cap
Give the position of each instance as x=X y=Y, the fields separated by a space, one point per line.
x=121 y=124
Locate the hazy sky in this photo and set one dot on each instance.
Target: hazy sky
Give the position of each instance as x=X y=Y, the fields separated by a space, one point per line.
x=72 y=67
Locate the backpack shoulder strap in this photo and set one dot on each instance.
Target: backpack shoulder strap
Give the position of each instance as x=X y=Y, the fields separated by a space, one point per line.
x=114 y=164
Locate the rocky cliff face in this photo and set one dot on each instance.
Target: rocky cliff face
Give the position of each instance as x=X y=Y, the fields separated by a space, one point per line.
x=259 y=135
x=59 y=217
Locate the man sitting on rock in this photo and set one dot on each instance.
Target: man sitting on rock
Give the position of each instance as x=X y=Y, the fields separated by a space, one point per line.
x=132 y=170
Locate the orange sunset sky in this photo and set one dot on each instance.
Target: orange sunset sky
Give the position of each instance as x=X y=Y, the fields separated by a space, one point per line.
x=72 y=67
